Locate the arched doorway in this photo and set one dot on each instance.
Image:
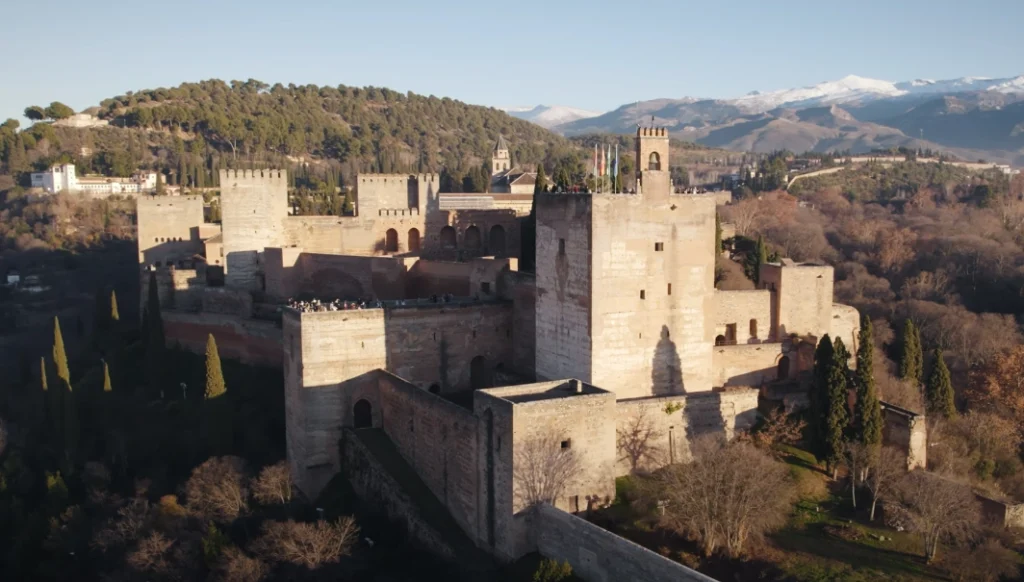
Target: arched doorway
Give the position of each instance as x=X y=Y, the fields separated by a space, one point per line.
x=496 y=240
x=448 y=238
x=479 y=373
x=720 y=340
x=783 y=368
x=472 y=238
x=654 y=162
x=391 y=241
x=414 y=240
x=434 y=389
x=362 y=414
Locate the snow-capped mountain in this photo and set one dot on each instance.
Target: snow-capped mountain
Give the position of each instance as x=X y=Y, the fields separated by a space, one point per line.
x=550 y=115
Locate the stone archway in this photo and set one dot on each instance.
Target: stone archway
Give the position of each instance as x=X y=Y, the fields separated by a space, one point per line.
x=414 y=240
x=472 y=239
x=391 y=241
x=448 y=238
x=496 y=240
x=362 y=414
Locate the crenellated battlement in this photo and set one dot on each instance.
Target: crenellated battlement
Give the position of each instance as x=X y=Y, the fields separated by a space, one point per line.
x=385 y=178
x=651 y=132
x=268 y=174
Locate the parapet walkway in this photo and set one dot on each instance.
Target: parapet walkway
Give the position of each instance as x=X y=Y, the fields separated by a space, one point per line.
x=476 y=563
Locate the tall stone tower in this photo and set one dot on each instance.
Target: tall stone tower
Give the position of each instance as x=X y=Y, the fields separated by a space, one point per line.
x=625 y=284
x=501 y=160
x=652 y=171
x=254 y=204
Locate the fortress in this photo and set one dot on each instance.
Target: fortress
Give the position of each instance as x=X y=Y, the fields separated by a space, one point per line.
x=621 y=324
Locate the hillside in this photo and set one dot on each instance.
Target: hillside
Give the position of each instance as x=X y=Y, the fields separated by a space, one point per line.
x=196 y=127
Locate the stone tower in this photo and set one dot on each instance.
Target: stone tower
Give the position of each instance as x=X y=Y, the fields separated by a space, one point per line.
x=254 y=205
x=625 y=284
x=501 y=160
x=652 y=171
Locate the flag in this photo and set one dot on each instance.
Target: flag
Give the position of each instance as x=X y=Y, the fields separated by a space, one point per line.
x=600 y=171
x=608 y=160
x=615 y=165
x=595 y=160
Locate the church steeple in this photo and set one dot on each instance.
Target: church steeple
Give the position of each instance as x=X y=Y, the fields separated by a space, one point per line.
x=501 y=160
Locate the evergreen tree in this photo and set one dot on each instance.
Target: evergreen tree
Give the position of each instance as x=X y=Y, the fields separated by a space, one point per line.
x=64 y=406
x=541 y=185
x=42 y=373
x=107 y=387
x=911 y=359
x=757 y=257
x=114 y=315
x=939 y=388
x=155 y=343
x=217 y=405
x=823 y=356
x=868 y=409
x=837 y=410
x=718 y=235
x=60 y=357
x=159 y=183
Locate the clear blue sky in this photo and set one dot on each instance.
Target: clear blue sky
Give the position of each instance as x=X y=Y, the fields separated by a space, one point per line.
x=597 y=54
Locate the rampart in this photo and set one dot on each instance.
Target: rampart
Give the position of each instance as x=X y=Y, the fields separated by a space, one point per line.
x=743 y=317
x=598 y=555
x=168 y=228
x=247 y=340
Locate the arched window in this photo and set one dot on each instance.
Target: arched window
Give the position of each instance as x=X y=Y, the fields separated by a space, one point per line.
x=362 y=414
x=391 y=241
x=782 y=371
x=496 y=240
x=654 y=162
x=472 y=239
x=448 y=238
x=720 y=340
x=414 y=240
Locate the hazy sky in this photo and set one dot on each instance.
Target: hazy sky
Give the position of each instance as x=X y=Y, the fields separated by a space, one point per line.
x=597 y=54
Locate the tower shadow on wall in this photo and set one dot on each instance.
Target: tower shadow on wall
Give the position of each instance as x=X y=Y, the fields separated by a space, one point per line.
x=666 y=369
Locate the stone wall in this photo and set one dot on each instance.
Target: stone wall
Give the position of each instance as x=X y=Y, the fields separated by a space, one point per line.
x=749 y=312
x=597 y=555
x=802 y=298
x=521 y=289
x=180 y=289
x=439 y=440
x=220 y=300
x=254 y=205
x=906 y=430
x=653 y=287
x=246 y=340
x=845 y=325
x=168 y=228
x=746 y=364
x=563 y=286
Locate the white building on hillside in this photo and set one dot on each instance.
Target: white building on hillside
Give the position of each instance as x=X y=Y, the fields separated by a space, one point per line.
x=62 y=178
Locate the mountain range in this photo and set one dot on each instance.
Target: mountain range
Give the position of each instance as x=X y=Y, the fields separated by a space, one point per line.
x=970 y=117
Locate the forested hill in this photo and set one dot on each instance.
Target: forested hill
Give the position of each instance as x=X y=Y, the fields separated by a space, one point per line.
x=196 y=127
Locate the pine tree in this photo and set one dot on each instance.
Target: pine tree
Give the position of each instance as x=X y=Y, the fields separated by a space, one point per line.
x=868 y=409
x=217 y=405
x=837 y=411
x=718 y=235
x=911 y=359
x=939 y=388
x=107 y=387
x=823 y=356
x=114 y=315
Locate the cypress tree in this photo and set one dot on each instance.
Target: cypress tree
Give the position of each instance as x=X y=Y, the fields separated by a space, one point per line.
x=939 y=388
x=114 y=315
x=837 y=415
x=823 y=356
x=64 y=401
x=868 y=409
x=910 y=353
x=216 y=406
x=60 y=358
x=718 y=235
x=42 y=373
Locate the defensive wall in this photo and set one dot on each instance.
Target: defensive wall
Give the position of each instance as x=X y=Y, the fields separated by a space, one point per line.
x=801 y=297
x=250 y=341
x=906 y=431
x=521 y=289
x=598 y=555
x=743 y=317
x=168 y=228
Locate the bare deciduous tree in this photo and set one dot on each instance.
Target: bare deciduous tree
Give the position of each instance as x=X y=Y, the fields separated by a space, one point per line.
x=858 y=457
x=131 y=523
x=777 y=429
x=217 y=489
x=887 y=467
x=988 y=561
x=542 y=470
x=274 y=485
x=637 y=441
x=307 y=544
x=728 y=494
x=234 y=565
x=937 y=509
x=152 y=554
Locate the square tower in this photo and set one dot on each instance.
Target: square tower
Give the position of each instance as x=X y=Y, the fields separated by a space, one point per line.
x=625 y=285
x=652 y=169
x=254 y=205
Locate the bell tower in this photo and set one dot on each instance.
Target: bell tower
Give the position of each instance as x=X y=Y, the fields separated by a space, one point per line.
x=501 y=160
x=653 y=176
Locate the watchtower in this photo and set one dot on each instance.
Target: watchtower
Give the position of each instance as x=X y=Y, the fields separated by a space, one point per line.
x=653 y=176
x=254 y=205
